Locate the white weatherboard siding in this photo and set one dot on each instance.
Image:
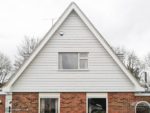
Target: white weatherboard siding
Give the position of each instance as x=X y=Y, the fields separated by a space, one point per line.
x=43 y=75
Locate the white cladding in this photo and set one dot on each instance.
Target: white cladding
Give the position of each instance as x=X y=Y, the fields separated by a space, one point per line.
x=43 y=75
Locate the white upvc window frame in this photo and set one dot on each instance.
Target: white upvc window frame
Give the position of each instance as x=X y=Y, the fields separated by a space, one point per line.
x=148 y=104
x=8 y=102
x=50 y=95
x=97 y=95
x=79 y=58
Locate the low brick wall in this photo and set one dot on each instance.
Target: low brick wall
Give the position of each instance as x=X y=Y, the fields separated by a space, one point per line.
x=25 y=102
x=73 y=103
x=2 y=106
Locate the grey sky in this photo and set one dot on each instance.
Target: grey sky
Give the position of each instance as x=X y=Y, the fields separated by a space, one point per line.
x=121 y=22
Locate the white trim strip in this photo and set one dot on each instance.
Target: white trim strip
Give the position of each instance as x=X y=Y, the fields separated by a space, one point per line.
x=142 y=94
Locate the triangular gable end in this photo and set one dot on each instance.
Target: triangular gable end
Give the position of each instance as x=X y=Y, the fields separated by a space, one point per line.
x=74 y=7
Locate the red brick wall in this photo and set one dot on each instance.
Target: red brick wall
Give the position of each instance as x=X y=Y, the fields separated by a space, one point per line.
x=120 y=102
x=24 y=101
x=123 y=102
x=142 y=98
x=73 y=103
x=2 y=106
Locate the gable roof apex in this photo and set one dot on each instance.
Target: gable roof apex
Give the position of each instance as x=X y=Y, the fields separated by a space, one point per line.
x=70 y=8
x=73 y=3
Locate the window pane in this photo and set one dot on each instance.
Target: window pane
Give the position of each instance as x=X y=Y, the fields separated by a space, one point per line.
x=142 y=108
x=83 y=63
x=84 y=54
x=48 y=105
x=96 y=105
x=69 y=61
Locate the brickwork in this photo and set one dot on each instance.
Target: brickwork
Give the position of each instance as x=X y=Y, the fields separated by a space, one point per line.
x=25 y=103
x=120 y=102
x=73 y=103
x=2 y=106
x=124 y=102
x=142 y=98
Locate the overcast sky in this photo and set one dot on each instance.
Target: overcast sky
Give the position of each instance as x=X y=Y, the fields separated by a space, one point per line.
x=121 y=22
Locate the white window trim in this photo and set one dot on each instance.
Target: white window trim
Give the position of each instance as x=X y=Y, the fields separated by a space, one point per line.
x=50 y=95
x=86 y=58
x=96 y=95
x=140 y=103
x=8 y=99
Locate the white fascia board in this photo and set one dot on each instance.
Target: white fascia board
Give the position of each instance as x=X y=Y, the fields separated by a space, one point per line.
x=2 y=92
x=83 y=90
x=6 y=89
x=142 y=94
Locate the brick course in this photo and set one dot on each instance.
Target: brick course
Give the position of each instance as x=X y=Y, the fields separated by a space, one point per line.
x=2 y=106
x=124 y=102
x=25 y=102
x=73 y=103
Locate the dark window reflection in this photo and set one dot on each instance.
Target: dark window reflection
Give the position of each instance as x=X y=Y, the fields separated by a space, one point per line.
x=48 y=105
x=142 y=108
x=96 y=105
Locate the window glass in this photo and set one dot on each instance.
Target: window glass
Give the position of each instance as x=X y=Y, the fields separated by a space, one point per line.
x=48 y=105
x=97 y=105
x=73 y=60
x=83 y=63
x=69 y=61
x=142 y=108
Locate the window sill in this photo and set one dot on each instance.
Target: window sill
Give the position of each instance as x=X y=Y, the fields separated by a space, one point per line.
x=73 y=69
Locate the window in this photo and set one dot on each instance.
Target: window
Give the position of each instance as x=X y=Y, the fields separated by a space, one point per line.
x=142 y=107
x=48 y=105
x=97 y=103
x=73 y=60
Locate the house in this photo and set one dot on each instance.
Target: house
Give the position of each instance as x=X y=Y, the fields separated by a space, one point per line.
x=73 y=70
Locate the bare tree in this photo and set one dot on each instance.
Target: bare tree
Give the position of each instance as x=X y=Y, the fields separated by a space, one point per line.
x=147 y=60
x=25 y=50
x=133 y=64
x=5 y=68
x=131 y=61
